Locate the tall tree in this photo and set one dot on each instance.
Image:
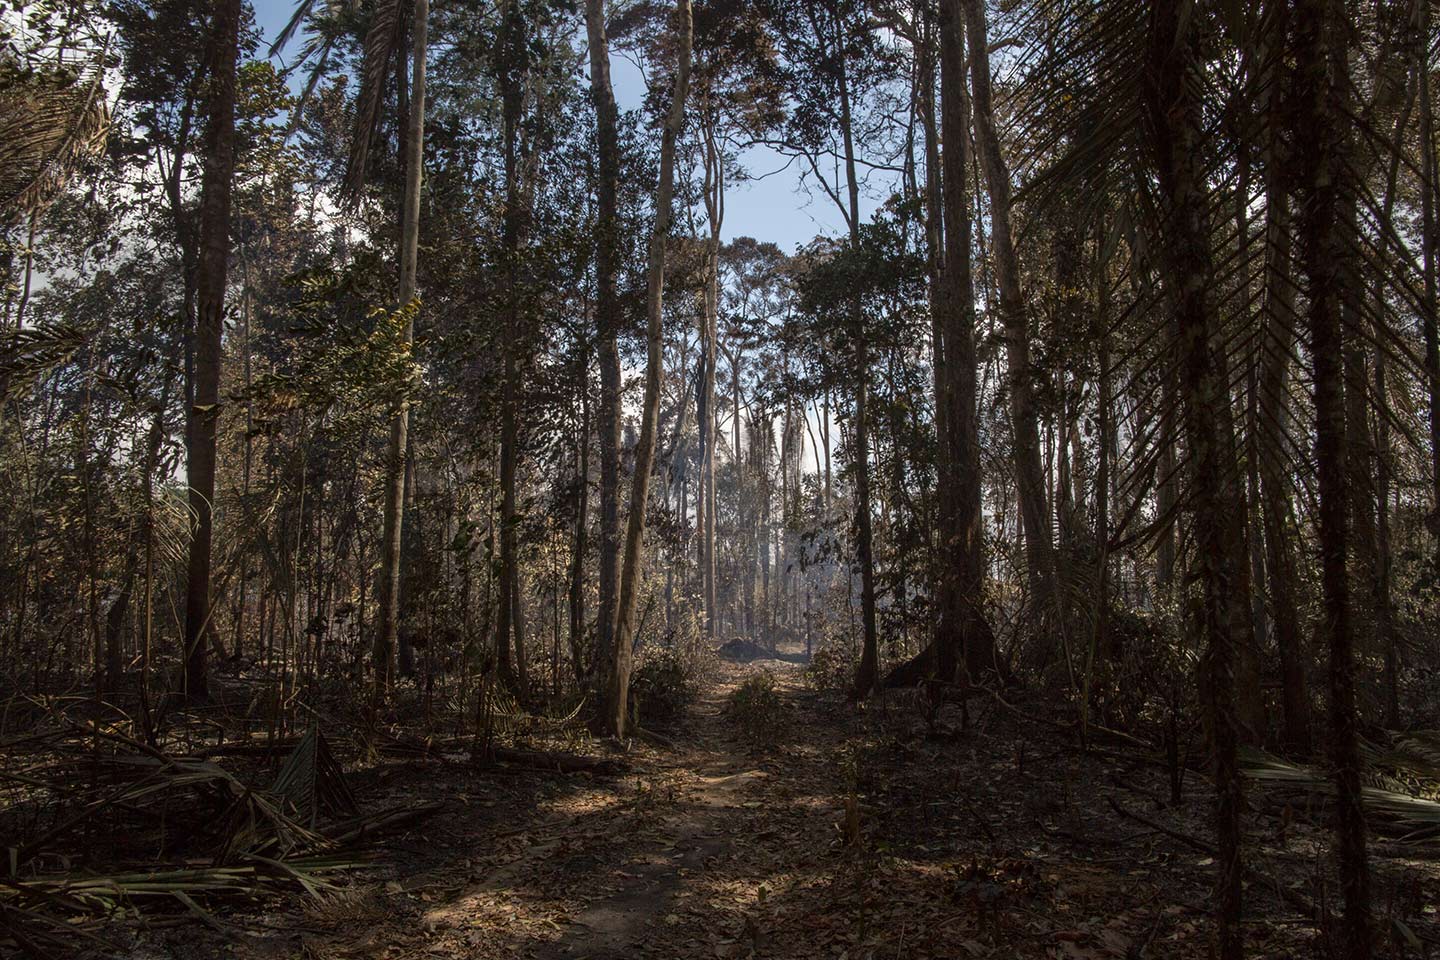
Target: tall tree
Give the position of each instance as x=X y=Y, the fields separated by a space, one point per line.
x=1277 y=511
x=1173 y=127
x=204 y=412
x=511 y=52
x=607 y=323
x=961 y=628
x=1030 y=478
x=380 y=43
x=615 y=708
x=1321 y=131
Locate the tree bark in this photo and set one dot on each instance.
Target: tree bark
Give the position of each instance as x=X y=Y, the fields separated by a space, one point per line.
x=582 y=527
x=962 y=633
x=1174 y=128
x=1428 y=320
x=615 y=709
x=204 y=410
x=388 y=592
x=1029 y=472
x=607 y=322
x=867 y=676
x=1277 y=511
x=1322 y=137
x=714 y=194
x=510 y=55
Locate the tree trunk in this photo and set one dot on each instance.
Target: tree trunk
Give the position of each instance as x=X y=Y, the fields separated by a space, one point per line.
x=582 y=527
x=388 y=592
x=1383 y=454
x=1431 y=329
x=510 y=56
x=1029 y=472
x=962 y=634
x=615 y=710
x=867 y=676
x=607 y=322
x=714 y=194
x=1174 y=127
x=1322 y=139
x=1277 y=512
x=204 y=411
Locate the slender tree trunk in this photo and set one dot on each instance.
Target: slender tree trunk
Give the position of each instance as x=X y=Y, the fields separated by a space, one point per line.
x=1174 y=127
x=1383 y=452
x=738 y=577
x=615 y=710
x=204 y=410
x=248 y=460
x=1385 y=626
x=867 y=676
x=703 y=424
x=714 y=194
x=1322 y=138
x=119 y=612
x=510 y=55
x=962 y=635
x=388 y=590
x=1277 y=511
x=582 y=527
x=934 y=247
x=607 y=321
x=1249 y=692
x=1030 y=474
x=1431 y=329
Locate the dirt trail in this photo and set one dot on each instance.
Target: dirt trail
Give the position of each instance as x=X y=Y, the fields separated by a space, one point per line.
x=862 y=836
x=648 y=864
x=716 y=786
x=637 y=865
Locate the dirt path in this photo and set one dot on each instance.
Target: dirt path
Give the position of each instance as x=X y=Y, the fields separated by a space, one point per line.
x=652 y=883
x=670 y=859
x=861 y=836
x=648 y=866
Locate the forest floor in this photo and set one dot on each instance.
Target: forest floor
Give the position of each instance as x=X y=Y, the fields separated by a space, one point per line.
x=860 y=835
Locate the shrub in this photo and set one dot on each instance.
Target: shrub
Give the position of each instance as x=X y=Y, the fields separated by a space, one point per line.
x=758 y=710
x=831 y=669
x=662 y=687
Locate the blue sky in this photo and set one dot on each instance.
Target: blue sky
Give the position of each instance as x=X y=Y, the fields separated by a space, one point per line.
x=770 y=208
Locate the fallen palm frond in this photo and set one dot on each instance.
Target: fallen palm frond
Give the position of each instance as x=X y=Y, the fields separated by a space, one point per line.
x=312 y=781
x=106 y=894
x=507 y=715
x=253 y=842
x=1389 y=811
x=1411 y=761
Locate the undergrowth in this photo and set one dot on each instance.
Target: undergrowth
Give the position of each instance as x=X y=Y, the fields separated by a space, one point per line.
x=758 y=711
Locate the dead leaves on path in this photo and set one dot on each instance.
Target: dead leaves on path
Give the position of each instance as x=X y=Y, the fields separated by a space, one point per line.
x=861 y=839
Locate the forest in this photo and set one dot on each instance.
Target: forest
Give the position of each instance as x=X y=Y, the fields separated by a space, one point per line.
x=434 y=530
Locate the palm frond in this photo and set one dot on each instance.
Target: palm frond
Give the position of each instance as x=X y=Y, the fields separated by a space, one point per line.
x=1390 y=811
x=387 y=28
x=51 y=122
x=312 y=781
x=28 y=353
